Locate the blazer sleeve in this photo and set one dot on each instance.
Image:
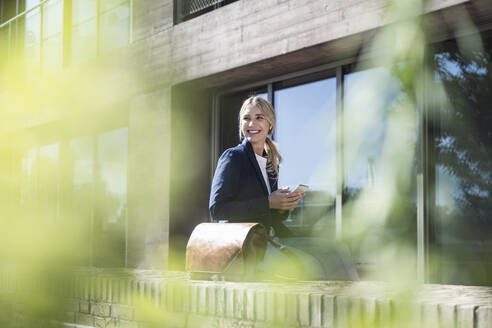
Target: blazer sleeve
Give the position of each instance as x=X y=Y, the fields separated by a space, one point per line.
x=224 y=203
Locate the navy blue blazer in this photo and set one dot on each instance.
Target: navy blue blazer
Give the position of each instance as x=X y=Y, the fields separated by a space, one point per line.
x=239 y=192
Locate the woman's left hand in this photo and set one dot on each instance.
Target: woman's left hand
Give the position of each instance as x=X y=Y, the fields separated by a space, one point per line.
x=293 y=199
x=296 y=197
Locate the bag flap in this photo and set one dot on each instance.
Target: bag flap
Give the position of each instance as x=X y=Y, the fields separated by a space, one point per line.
x=212 y=247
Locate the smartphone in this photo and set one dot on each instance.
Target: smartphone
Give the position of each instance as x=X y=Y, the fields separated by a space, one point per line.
x=300 y=188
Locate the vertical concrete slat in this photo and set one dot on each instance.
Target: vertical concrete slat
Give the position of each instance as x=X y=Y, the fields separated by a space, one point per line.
x=342 y=306
x=229 y=302
x=202 y=299
x=194 y=298
x=260 y=305
x=304 y=309
x=329 y=318
x=384 y=313
x=280 y=307
x=315 y=309
x=465 y=316
x=239 y=303
x=484 y=316
x=250 y=304
x=447 y=315
x=270 y=305
x=211 y=300
x=221 y=301
x=430 y=315
x=292 y=308
x=368 y=308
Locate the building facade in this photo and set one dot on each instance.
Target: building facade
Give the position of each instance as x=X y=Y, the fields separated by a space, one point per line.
x=152 y=97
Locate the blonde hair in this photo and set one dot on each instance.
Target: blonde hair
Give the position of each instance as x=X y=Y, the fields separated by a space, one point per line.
x=271 y=148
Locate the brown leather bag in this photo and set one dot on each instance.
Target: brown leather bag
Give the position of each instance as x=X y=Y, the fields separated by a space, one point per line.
x=227 y=250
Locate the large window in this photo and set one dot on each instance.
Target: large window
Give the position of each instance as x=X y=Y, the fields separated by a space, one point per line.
x=52 y=34
x=80 y=182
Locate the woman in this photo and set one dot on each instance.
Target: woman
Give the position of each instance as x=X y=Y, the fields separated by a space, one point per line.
x=245 y=188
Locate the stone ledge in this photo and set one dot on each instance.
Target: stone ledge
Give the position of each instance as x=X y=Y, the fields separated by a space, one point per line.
x=113 y=299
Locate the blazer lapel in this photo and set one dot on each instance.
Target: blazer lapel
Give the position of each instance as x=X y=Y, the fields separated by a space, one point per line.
x=254 y=162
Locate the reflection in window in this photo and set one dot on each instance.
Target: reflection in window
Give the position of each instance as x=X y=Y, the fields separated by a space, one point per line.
x=378 y=143
x=32 y=42
x=306 y=135
x=83 y=46
x=52 y=35
x=112 y=156
x=82 y=160
x=31 y=3
x=365 y=123
x=83 y=10
x=29 y=179
x=48 y=181
x=84 y=29
x=463 y=168
x=111 y=197
x=115 y=25
x=113 y=31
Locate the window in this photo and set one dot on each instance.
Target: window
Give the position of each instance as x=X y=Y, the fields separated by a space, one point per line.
x=306 y=135
x=51 y=34
x=43 y=50
x=99 y=27
x=187 y=9
x=338 y=145
x=463 y=170
x=81 y=182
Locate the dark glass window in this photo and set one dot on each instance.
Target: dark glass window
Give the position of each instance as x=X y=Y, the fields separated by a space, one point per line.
x=463 y=170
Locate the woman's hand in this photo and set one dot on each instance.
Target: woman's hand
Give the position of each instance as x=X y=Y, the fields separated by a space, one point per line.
x=281 y=199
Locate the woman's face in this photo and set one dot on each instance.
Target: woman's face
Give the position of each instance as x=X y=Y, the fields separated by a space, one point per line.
x=254 y=125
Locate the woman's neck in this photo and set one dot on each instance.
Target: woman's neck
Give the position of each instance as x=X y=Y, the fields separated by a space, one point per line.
x=258 y=148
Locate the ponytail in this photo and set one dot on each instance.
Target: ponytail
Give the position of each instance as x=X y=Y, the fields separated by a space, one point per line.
x=273 y=157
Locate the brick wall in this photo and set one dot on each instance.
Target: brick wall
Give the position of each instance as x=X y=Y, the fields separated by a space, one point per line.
x=106 y=298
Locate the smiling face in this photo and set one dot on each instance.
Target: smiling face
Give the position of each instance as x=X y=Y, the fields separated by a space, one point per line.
x=254 y=125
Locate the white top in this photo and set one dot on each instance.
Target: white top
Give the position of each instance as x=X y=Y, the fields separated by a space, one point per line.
x=262 y=162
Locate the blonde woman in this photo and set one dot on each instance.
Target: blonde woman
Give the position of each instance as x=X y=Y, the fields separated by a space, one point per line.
x=245 y=188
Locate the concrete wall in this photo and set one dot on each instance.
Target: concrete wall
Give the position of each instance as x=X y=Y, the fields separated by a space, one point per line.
x=134 y=299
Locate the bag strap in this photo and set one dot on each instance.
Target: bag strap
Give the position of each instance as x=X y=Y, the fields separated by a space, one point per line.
x=287 y=252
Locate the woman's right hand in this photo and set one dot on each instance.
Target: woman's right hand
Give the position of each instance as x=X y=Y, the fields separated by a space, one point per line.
x=281 y=199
